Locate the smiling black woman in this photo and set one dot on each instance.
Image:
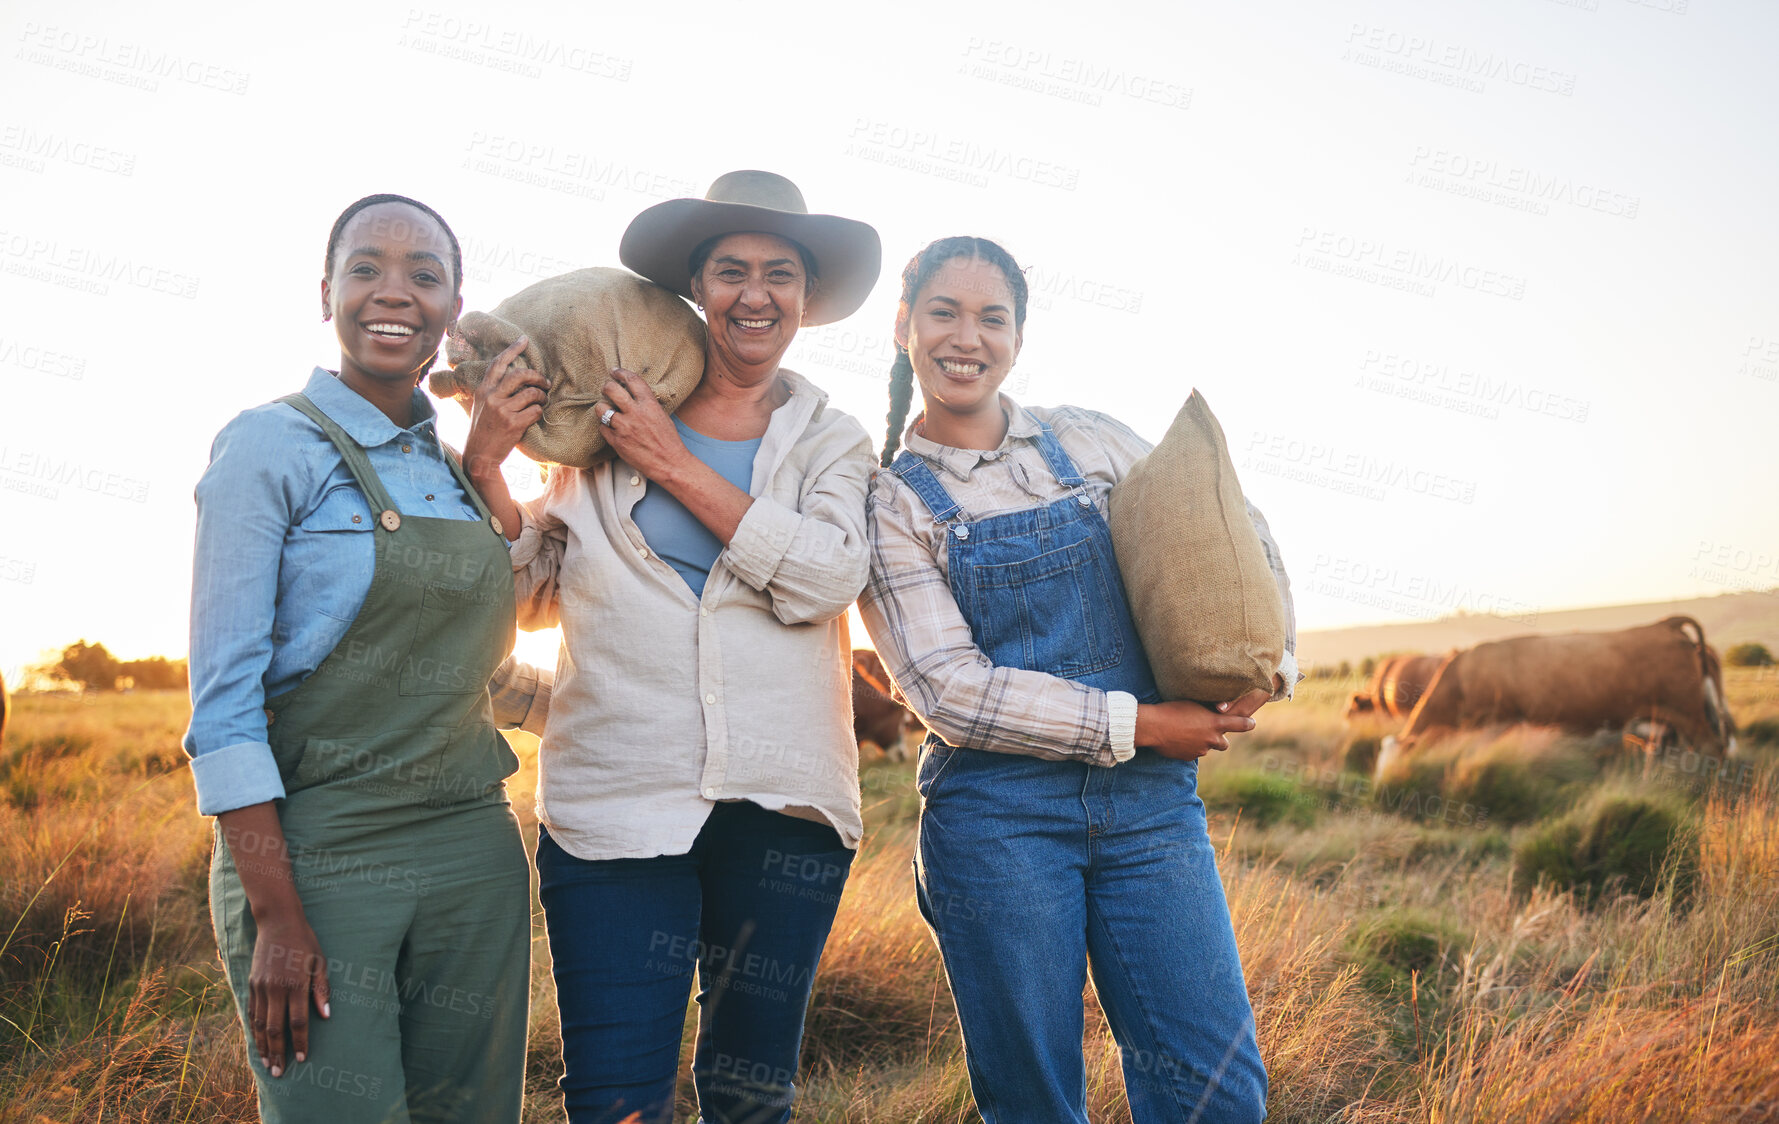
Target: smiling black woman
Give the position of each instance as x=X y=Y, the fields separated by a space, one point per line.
x=350 y=600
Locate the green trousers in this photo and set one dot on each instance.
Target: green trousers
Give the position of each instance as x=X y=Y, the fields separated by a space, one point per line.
x=404 y=850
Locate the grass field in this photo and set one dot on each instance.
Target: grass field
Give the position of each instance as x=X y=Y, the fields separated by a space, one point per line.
x=1522 y=928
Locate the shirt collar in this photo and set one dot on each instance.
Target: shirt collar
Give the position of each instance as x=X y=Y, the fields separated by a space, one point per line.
x=363 y=422
x=1021 y=426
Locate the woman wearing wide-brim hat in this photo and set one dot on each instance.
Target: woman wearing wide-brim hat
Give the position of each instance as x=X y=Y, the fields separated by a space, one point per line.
x=698 y=781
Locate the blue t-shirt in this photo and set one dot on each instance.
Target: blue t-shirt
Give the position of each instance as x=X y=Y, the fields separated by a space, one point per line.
x=674 y=533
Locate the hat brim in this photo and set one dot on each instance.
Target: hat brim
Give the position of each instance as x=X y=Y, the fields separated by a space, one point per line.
x=848 y=254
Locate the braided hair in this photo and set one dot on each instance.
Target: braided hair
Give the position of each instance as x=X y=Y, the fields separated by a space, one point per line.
x=333 y=244
x=918 y=272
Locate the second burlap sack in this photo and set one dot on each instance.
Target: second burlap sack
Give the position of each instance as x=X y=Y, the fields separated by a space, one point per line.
x=578 y=326
x=1203 y=597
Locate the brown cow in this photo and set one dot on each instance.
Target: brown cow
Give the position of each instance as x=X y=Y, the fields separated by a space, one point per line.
x=876 y=716
x=1660 y=675
x=1395 y=686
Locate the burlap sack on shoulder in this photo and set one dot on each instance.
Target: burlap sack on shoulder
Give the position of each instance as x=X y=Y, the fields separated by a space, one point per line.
x=579 y=326
x=1204 y=600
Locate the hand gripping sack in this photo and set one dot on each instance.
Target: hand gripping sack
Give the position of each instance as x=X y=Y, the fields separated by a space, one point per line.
x=579 y=326
x=1203 y=598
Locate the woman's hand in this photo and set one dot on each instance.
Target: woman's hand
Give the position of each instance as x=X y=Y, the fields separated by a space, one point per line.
x=288 y=969
x=640 y=430
x=509 y=401
x=1187 y=731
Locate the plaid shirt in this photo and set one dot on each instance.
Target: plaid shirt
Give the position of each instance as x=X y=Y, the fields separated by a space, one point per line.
x=921 y=634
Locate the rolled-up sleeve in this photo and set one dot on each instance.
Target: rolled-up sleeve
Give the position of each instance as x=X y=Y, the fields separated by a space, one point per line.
x=537 y=555
x=925 y=642
x=245 y=507
x=812 y=562
x=520 y=696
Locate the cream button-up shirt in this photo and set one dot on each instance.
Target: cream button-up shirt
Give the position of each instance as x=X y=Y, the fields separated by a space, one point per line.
x=665 y=703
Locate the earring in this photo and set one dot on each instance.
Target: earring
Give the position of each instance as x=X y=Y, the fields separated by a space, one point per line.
x=700 y=308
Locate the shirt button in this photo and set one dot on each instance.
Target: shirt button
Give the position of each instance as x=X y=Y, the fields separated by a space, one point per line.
x=635 y=480
x=710 y=700
x=642 y=552
x=703 y=612
x=429 y=495
x=407 y=448
x=356 y=519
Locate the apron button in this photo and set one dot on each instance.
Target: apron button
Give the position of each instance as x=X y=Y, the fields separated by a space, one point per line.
x=390 y=520
x=494 y=521
x=1084 y=501
x=961 y=532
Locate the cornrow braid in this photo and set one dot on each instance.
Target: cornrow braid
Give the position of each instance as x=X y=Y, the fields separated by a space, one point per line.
x=333 y=237
x=918 y=272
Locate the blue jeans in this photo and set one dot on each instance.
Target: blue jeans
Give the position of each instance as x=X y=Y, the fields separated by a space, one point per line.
x=749 y=907
x=1029 y=871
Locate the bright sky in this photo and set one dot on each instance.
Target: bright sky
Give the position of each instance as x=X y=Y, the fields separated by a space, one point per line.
x=1483 y=293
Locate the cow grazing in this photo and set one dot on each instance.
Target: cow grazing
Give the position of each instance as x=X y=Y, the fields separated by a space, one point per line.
x=1395 y=686
x=1660 y=676
x=877 y=717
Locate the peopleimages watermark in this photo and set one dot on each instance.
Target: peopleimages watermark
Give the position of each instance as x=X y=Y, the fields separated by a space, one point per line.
x=21 y=570
x=43 y=360
x=1760 y=358
x=483 y=257
x=1735 y=566
x=1350 y=473
x=137 y=65
x=1436 y=383
x=1399 y=267
x=1422 y=596
x=33 y=150
x=1067 y=77
x=506 y=48
x=85 y=269
x=1511 y=186
x=953 y=158
x=1448 y=64
x=44 y=475
x=583 y=174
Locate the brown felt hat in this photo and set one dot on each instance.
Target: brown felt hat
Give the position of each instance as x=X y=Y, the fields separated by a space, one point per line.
x=846 y=252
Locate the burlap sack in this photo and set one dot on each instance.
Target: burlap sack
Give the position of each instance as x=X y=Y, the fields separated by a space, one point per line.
x=1204 y=600
x=579 y=326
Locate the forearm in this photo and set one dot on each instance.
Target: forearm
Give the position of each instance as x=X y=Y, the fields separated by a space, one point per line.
x=491 y=483
x=712 y=500
x=255 y=839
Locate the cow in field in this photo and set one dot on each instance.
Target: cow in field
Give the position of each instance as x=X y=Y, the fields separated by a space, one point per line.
x=1660 y=676
x=1395 y=686
x=876 y=716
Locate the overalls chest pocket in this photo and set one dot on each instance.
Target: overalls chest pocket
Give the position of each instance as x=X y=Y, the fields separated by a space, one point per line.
x=1040 y=602
x=434 y=667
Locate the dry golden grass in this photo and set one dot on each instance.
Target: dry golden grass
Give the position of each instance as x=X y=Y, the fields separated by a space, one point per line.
x=1537 y=1008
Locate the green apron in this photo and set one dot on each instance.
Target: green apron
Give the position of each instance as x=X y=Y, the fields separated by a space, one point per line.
x=405 y=852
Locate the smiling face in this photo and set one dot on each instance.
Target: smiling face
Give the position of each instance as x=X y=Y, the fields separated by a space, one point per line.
x=391 y=296
x=753 y=288
x=961 y=337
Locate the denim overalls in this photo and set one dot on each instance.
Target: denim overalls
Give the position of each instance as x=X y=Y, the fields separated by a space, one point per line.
x=1027 y=868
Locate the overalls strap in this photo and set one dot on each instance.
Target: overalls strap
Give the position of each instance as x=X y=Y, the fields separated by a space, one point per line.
x=1057 y=458
x=914 y=470
x=357 y=461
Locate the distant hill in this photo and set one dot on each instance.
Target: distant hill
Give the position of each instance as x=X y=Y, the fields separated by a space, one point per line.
x=1728 y=618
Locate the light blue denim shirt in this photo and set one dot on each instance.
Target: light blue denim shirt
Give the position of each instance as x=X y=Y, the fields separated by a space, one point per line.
x=283 y=562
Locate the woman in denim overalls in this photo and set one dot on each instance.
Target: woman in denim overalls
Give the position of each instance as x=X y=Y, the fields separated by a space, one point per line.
x=1060 y=821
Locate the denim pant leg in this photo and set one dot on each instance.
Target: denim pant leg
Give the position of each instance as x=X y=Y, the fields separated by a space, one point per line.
x=1001 y=880
x=1164 y=956
x=771 y=886
x=623 y=943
